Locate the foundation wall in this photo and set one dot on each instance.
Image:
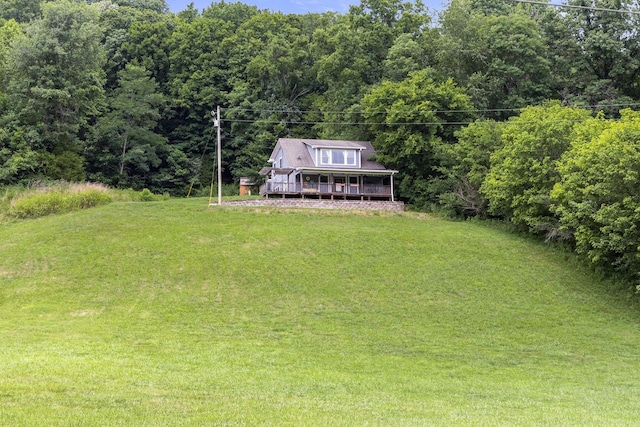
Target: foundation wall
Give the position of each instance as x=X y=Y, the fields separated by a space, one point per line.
x=321 y=204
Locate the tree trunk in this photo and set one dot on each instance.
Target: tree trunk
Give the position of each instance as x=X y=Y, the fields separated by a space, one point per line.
x=124 y=151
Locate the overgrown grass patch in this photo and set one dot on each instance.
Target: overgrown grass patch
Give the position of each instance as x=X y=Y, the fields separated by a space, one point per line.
x=39 y=203
x=44 y=199
x=174 y=313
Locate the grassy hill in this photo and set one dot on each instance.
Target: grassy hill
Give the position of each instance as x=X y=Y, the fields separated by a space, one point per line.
x=172 y=313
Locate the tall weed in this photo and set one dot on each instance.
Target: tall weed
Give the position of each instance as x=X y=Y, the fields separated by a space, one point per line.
x=49 y=200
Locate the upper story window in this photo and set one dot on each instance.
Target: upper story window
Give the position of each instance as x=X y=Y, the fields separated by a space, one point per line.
x=337 y=157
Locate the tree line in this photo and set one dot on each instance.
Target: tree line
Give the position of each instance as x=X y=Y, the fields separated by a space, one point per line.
x=492 y=108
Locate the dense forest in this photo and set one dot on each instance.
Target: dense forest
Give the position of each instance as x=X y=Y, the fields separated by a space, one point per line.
x=493 y=108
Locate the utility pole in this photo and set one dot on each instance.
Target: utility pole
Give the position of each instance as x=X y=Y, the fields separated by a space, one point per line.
x=217 y=123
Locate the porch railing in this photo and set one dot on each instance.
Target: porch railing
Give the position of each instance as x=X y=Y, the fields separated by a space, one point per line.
x=323 y=188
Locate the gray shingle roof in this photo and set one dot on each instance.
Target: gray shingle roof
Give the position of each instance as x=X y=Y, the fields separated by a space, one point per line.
x=296 y=152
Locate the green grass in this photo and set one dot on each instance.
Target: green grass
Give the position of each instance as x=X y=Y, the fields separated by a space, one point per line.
x=173 y=313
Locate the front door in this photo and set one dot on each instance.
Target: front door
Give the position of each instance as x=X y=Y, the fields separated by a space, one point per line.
x=339 y=184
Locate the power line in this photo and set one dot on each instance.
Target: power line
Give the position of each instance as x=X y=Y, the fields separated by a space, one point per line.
x=486 y=110
x=249 y=110
x=519 y=122
x=444 y=123
x=295 y=122
x=570 y=6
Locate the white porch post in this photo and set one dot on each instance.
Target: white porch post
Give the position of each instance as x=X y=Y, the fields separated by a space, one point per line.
x=392 y=188
x=289 y=183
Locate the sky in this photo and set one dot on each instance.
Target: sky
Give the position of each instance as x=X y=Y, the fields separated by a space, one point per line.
x=290 y=6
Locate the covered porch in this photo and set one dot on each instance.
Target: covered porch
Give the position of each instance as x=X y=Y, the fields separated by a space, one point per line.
x=331 y=185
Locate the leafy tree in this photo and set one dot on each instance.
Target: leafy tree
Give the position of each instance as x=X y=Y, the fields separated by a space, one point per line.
x=459 y=52
x=272 y=76
x=234 y=14
x=117 y=21
x=148 y=46
x=406 y=55
x=22 y=11
x=518 y=72
x=408 y=121
x=466 y=164
x=158 y=6
x=198 y=81
x=609 y=40
x=492 y=7
x=597 y=198
x=524 y=170
x=55 y=85
x=396 y=16
x=350 y=56
x=125 y=135
x=9 y=32
x=18 y=161
x=189 y=14
x=501 y=59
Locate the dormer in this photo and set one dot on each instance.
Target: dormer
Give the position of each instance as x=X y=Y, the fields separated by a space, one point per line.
x=336 y=154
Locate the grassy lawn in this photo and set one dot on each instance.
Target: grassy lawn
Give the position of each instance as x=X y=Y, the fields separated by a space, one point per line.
x=174 y=313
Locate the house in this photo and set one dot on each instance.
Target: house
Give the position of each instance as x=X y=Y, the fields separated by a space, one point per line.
x=318 y=168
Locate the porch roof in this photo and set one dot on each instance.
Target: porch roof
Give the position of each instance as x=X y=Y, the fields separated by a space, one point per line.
x=287 y=171
x=336 y=171
x=280 y=171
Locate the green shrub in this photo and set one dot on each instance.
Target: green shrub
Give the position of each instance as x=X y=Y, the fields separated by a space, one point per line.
x=55 y=200
x=131 y=195
x=229 y=190
x=597 y=199
x=91 y=198
x=7 y=194
x=146 y=195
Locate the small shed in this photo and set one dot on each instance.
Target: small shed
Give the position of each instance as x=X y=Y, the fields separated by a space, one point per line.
x=245 y=186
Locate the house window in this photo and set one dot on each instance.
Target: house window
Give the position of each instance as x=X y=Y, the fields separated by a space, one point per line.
x=337 y=157
x=324 y=154
x=351 y=157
